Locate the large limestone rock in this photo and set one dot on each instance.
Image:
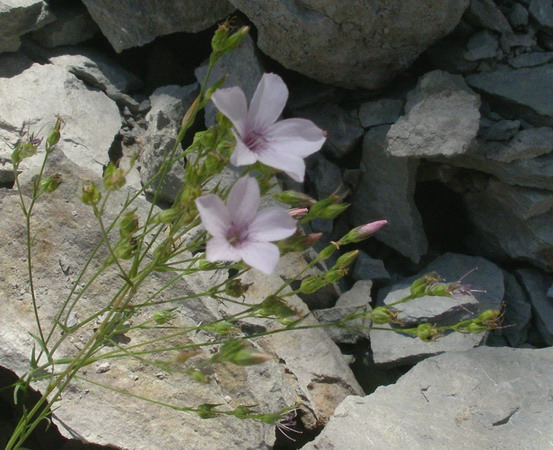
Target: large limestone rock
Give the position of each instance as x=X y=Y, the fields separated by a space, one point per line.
x=33 y=94
x=18 y=17
x=128 y=23
x=482 y=398
x=66 y=232
x=356 y=43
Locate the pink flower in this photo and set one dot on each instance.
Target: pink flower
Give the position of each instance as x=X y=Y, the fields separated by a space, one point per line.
x=259 y=137
x=239 y=231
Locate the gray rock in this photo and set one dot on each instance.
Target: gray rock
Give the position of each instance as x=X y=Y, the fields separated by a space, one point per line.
x=386 y=191
x=71 y=26
x=527 y=144
x=380 y=112
x=536 y=284
x=367 y=268
x=531 y=59
x=441 y=119
x=517 y=313
x=522 y=201
x=503 y=130
x=358 y=295
x=350 y=44
x=524 y=92
x=518 y=42
x=542 y=12
x=499 y=233
x=241 y=67
x=127 y=24
x=18 y=17
x=340 y=335
x=324 y=175
x=485 y=14
x=342 y=127
x=518 y=17
x=34 y=95
x=455 y=400
x=169 y=103
x=482 y=45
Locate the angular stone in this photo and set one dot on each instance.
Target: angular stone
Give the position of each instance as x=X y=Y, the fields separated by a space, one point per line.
x=358 y=295
x=441 y=119
x=503 y=130
x=482 y=45
x=349 y=44
x=342 y=127
x=531 y=59
x=542 y=12
x=380 y=112
x=71 y=26
x=455 y=400
x=486 y=14
x=536 y=284
x=33 y=95
x=367 y=268
x=517 y=314
x=324 y=175
x=126 y=23
x=386 y=191
x=360 y=326
x=241 y=67
x=518 y=17
x=18 y=17
x=169 y=103
x=526 y=144
x=526 y=93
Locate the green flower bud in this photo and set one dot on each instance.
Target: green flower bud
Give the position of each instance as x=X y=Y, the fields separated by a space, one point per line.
x=440 y=290
x=346 y=259
x=243 y=412
x=363 y=232
x=125 y=249
x=50 y=184
x=223 y=41
x=312 y=284
x=327 y=252
x=475 y=328
x=164 y=316
x=114 y=178
x=489 y=316
x=249 y=357
x=335 y=274
x=221 y=327
x=426 y=332
x=382 y=315
x=166 y=216
x=235 y=288
x=328 y=212
x=128 y=224
x=298 y=242
x=55 y=134
x=296 y=199
x=207 y=410
x=197 y=375
x=275 y=306
x=90 y=194
x=420 y=286
x=24 y=150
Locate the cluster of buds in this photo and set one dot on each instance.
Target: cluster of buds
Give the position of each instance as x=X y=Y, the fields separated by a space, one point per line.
x=223 y=41
x=237 y=351
x=488 y=320
x=315 y=282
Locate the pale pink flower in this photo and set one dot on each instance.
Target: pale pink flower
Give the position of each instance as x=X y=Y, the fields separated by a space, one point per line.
x=259 y=137
x=239 y=231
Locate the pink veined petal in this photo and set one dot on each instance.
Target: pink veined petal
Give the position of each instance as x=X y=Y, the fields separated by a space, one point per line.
x=271 y=224
x=291 y=165
x=267 y=102
x=219 y=249
x=243 y=201
x=214 y=214
x=262 y=256
x=242 y=155
x=233 y=104
x=300 y=137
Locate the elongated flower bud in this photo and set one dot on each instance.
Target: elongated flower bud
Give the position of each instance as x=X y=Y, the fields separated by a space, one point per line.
x=54 y=136
x=296 y=199
x=363 y=232
x=50 y=184
x=128 y=225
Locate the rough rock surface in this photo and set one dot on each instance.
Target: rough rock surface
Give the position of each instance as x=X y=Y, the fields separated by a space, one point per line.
x=481 y=398
x=92 y=119
x=379 y=196
x=355 y=44
x=18 y=17
x=316 y=370
x=442 y=118
x=127 y=24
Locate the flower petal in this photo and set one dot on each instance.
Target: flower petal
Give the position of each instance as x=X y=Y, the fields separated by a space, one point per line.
x=243 y=201
x=214 y=214
x=267 y=102
x=300 y=137
x=272 y=224
x=219 y=249
x=291 y=165
x=262 y=256
x=242 y=155
x=232 y=103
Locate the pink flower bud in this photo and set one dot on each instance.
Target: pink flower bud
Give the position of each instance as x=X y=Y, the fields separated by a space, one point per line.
x=362 y=232
x=296 y=213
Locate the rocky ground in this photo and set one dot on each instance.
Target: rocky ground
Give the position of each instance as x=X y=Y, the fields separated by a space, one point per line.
x=439 y=118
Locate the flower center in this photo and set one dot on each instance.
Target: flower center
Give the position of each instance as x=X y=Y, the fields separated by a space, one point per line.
x=255 y=141
x=237 y=235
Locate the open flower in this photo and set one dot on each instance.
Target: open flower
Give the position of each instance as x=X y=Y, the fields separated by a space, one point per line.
x=259 y=137
x=239 y=231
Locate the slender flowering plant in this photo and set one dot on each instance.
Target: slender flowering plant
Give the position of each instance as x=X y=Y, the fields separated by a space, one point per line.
x=260 y=137
x=241 y=232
